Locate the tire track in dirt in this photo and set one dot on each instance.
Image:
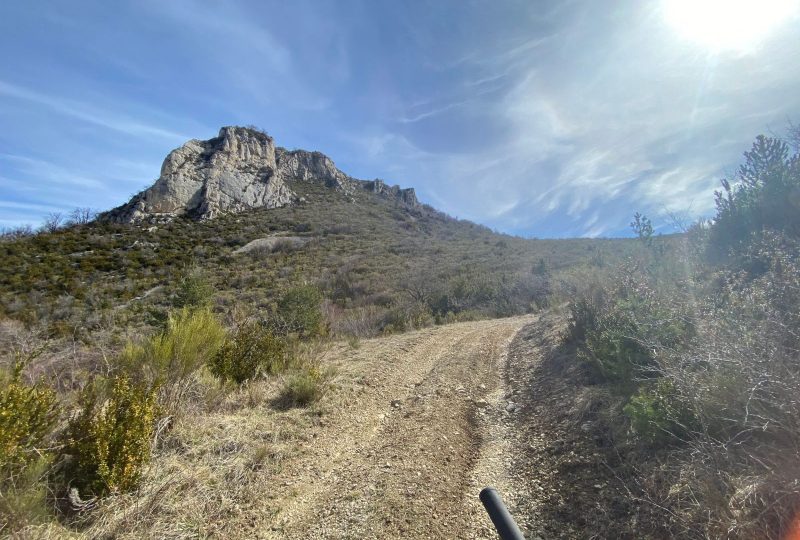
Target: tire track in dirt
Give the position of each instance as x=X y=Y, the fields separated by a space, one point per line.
x=396 y=461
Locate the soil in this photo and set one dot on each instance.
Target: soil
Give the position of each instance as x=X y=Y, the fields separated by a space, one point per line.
x=441 y=416
x=398 y=462
x=564 y=462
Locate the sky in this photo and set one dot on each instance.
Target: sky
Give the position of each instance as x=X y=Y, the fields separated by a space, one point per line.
x=537 y=118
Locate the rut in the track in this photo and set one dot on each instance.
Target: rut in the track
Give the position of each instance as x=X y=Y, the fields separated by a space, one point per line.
x=397 y=461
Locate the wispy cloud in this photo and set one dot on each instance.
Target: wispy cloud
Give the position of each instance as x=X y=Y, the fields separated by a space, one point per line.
x=545 y=118
x=238 y=43
x=14 y=205
x=86 y=113
x=44 y=171
x=429 y=113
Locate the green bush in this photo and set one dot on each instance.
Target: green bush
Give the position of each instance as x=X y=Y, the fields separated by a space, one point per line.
x=307 y=386
x=621 y=329
x=27 y=416
x=190 y=340
x=299 y=311
x=193 y=290
x=24 y=497
x=764 y=198
x=253 y=350
x=605 y=334
x=657 y=413
x=109 y=441
x=613 y=349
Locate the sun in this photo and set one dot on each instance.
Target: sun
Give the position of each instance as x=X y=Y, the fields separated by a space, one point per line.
x=727 y=24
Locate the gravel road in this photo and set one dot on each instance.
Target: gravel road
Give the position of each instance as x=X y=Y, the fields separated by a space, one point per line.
x=406 y=451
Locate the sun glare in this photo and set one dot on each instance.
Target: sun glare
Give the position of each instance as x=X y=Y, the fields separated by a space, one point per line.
x=727 y=24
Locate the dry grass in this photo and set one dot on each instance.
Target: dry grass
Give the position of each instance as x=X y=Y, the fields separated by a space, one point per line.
x=210 y=475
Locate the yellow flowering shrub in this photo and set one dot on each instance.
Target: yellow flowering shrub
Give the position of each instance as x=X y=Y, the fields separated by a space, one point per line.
x=27 y=416
x=109 y=441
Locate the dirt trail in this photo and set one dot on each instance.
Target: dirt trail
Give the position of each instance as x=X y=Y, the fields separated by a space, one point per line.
x=418 y=424
x=403 y=454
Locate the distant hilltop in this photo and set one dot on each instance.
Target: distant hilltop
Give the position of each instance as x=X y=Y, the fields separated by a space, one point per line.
x=238 y=170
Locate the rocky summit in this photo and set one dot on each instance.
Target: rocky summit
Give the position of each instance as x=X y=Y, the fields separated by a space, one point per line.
x=238 y=170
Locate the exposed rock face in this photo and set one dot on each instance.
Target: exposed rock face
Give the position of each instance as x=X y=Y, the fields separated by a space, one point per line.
x=238 y=170
x=407 y=196
x=302 y=165
x=273 y=243
x=232 y=172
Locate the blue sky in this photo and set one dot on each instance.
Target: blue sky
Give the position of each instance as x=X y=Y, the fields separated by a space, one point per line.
x=543 y=119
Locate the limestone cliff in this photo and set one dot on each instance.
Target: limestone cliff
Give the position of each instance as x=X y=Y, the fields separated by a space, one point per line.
x=235 y=171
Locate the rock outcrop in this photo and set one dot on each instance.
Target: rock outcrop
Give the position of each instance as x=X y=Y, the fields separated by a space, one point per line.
x=238 y=170
x=406 y=196
x=311 y=166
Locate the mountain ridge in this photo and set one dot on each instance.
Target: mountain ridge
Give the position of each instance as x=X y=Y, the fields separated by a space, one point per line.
x=238 y=170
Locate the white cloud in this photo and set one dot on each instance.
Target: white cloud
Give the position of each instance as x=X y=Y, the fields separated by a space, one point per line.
x=543 y=119
x=44 y=171
x=15 y=205
x=86 y=113
x=431 y=112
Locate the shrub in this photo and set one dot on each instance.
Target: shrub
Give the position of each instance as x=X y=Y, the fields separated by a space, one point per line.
x=307 y=386
x=24 y=497
x=605 y=334
x=715 y=400
x=299 y=311
x=193 y=290
x=190 y=340
x=657 y=413
x=764 y=198
x=27 y=416
x=620 y=330
x=533 y=292
x=109 y=441
x=406 y=315
x=360 y=322
x=253 y=350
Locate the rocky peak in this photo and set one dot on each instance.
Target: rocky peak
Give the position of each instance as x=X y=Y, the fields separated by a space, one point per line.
x=239 y=169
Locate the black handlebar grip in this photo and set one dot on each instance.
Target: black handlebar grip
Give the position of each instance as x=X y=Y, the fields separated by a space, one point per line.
x=503 y=522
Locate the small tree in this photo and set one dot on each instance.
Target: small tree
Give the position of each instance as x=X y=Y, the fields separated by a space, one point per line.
x=764 y=198
x=643 y=228
x=82 y=216
x=540 y=268
x=194 y=290
x=53 y=222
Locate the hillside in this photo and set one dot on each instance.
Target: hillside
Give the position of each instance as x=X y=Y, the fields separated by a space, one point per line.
x=222 y=289
x=213 y=330
x=352 y=363
x=375 y=257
